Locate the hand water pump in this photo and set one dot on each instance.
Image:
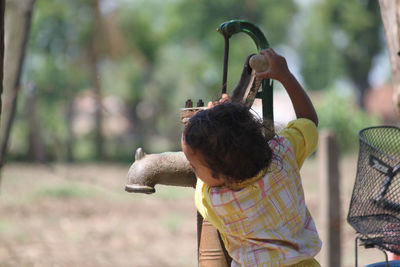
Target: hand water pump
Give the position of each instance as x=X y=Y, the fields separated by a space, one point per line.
x=172 y=168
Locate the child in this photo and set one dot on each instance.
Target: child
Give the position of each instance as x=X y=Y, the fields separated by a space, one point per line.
x=248 y=184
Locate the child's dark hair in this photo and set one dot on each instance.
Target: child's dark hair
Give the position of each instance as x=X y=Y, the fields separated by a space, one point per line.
x=232 y=142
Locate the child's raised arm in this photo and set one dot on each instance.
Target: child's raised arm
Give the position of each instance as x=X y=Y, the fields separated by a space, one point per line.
x=278 y=70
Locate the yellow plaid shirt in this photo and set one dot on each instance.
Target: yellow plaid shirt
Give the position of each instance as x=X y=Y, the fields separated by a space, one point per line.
x=265 y=221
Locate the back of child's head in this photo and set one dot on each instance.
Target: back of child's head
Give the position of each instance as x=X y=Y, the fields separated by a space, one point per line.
x=233 y=143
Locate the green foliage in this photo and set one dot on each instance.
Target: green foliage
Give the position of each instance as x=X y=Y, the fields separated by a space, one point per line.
x=141 y=30
x=18 y=144
x=341 y=40
x=61 y=27
x=65 y=191
x=173 y=192
x=339 y=113
x=57 y=79
x=154 y=55
x=321 y=62
x=84 y=148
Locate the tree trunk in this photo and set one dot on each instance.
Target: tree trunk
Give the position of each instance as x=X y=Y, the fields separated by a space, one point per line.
x=93 y=61
x=99 y=140
x=363 y=87
x=70 y=134
x=36 y=151
x=17 y=26
x=2 y=9
x=390 y=12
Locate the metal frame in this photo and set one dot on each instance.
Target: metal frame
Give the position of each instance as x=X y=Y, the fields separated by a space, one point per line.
x=368 y=246
x=229 y=28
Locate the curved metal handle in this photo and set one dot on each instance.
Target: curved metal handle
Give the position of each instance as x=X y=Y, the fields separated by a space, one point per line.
x=232 y=27
x=229 y=28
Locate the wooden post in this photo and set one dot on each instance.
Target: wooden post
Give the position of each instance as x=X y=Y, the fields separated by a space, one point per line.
x=328 y=158
x=211 y=251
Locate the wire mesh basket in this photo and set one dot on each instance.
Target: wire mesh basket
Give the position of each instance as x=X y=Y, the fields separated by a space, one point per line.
x=374 y=210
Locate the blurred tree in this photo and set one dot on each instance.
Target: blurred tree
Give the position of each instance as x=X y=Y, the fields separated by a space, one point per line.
x=56 y=68
x=151 y=54
x=138 y=25
x=2 y=10
x=36 y=152
x=198 y=27
x=341 y=40
x=333 y=112
x=69 y=45
x=17 y=21
x=390 y=11
x=178 y=54
x=92 y=50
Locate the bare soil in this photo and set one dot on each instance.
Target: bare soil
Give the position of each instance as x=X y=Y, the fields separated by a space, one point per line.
x=80 y=215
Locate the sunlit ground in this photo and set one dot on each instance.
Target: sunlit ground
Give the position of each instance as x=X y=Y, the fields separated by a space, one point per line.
x=80 y=215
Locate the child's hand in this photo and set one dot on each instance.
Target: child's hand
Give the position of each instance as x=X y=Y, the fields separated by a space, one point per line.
x=224 y=99
x=278 y=68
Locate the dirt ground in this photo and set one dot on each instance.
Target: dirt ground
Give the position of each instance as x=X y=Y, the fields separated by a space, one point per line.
x=80 y=215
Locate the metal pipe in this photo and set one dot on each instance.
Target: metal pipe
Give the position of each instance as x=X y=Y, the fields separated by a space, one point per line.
x=168 y=168
x=225 y=70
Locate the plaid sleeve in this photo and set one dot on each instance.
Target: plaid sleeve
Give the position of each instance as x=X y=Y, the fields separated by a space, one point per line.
x=303 y=137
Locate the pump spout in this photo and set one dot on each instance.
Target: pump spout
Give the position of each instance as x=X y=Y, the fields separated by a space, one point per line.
x=168 y=168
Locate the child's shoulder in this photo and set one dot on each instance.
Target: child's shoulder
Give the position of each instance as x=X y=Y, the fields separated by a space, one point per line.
x=298 y=131
x=278 y=142
x=301 y=124
x=302 y=137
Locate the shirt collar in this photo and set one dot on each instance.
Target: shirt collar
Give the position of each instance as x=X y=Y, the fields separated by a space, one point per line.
x=240 y=185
